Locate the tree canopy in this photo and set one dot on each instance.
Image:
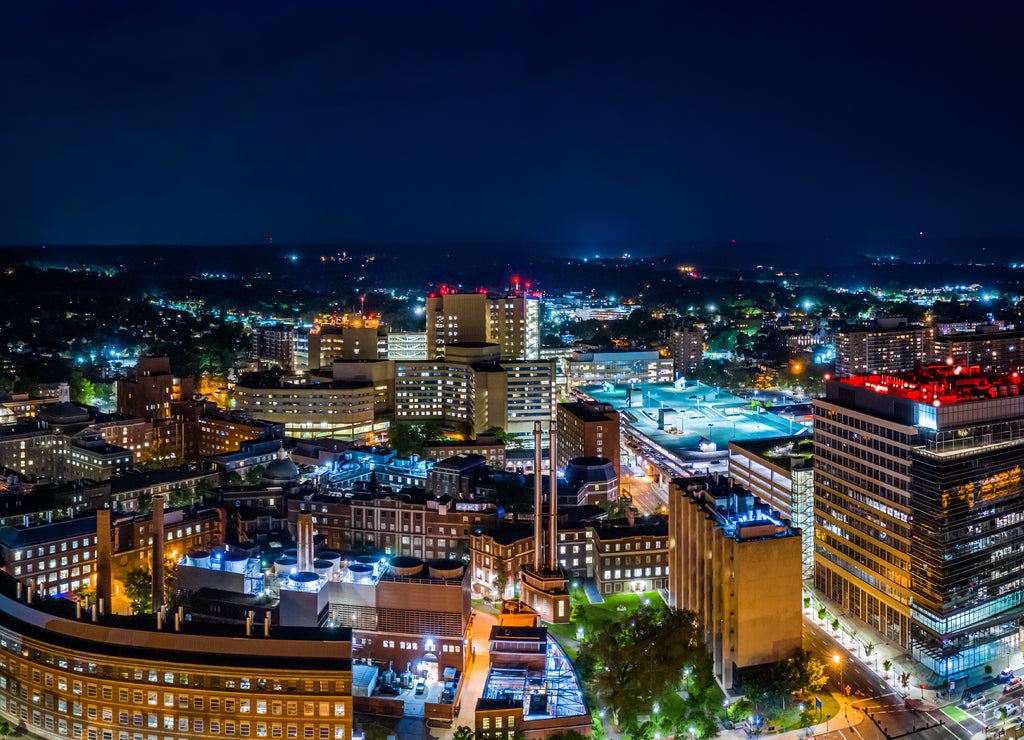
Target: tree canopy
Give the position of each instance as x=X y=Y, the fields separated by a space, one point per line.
x=630 y=664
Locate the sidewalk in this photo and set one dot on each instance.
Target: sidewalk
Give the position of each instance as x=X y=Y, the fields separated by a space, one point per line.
x=852 y=719
x=855 y=635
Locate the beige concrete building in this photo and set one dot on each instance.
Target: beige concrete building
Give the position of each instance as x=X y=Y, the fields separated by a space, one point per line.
x=307 y=406
x=510 y=320
x=736 y=563
x=780 y=472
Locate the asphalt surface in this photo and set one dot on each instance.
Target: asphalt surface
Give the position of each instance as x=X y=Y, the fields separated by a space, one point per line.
x=888 y=714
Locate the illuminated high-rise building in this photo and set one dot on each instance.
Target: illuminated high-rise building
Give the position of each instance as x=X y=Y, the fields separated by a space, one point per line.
x=510 y=320
x=918 y=507
x=890 y=346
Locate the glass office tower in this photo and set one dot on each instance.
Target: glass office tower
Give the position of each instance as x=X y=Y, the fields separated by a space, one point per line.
x=919 y=508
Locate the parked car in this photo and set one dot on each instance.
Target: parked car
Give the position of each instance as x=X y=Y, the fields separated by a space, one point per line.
x=421 y=686
x=388 y=690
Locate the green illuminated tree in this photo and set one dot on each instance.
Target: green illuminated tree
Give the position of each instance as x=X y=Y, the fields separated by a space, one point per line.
x=405 y=439
x=631 y=664
x=138 y=586
x=500 y=576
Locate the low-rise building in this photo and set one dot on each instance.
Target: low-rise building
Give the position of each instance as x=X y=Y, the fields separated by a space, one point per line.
x=588 y=368
x=631 y=556
x=411 y=523
x=307 y=406
x=486 y=445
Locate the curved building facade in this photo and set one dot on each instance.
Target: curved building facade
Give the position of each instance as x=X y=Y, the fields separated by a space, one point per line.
x=65 y=675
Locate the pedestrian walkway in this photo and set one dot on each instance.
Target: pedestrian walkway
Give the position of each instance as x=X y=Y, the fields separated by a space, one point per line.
x=855 y=636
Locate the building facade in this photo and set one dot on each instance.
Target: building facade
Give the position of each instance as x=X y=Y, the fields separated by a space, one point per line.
x=686 y=348
x=989 y=349
x=588 y=368
x=587 y=430
x=780 y=472
x=918 y=497
x=736 y=563
x=891 y=346
x=306 y=406
x=69 y=675
x=510 y=320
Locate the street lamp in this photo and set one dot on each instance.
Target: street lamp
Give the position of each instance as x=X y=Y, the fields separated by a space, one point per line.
x=839 y=663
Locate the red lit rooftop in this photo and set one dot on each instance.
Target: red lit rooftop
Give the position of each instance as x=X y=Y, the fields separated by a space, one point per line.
x=941 y=385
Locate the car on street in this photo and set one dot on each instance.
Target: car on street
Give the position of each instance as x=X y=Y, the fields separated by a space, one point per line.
x=1012 y=684
x=988 y=705
x=1004 y=676
x=973 y=701
x=421 y=686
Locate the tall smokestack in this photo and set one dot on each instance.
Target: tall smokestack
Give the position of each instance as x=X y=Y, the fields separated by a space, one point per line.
x=103 y=548
x=553 y=504
x=538 y=497
x=304 y=541
x=158 y=551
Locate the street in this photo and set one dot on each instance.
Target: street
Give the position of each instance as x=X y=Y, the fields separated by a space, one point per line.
x=648 y=496
x=887 y=712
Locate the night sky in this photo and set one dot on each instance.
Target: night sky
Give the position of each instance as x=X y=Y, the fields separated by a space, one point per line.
x=583 y=123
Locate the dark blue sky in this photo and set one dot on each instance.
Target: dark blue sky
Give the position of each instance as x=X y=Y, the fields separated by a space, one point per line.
x=578 y=122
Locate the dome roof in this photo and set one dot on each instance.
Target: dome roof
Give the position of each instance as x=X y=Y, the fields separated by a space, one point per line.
x=589 y=470
x=281 y=470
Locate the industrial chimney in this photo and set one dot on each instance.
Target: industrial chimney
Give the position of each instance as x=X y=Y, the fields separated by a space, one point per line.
x=158 y=551
x=538 y=498
x=103 y=564
x=553 y=504
x=304 y=541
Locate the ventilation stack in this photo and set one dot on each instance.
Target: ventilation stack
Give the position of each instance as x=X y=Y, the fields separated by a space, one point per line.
x=553 y=504
x=158 y=551
x=538 y=498
x=304 y=542
x=103 y=558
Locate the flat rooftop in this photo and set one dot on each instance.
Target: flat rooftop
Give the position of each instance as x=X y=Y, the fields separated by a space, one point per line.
x=694 y=414
x=941 y=385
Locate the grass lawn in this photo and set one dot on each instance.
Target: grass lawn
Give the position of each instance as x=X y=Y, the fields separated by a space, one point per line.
x=789 y=718
x=599 y=614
